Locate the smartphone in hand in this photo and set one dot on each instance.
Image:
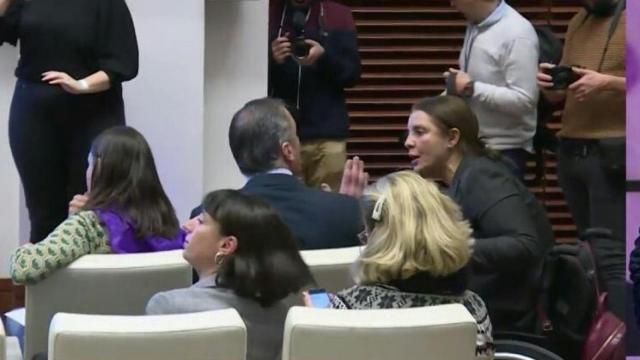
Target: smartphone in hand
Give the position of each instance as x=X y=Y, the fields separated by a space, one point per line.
x=319 y=298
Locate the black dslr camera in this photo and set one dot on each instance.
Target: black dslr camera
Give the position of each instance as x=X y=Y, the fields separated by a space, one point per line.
x=299 y=47
x=562 y=76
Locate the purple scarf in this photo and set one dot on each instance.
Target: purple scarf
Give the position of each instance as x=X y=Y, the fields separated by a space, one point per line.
x=123 y=240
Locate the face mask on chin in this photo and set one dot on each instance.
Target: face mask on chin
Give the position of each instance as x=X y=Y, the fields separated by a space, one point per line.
x=601 y=8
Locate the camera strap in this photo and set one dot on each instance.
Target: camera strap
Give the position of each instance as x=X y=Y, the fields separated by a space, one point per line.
x=612 y=29
x=284 y=13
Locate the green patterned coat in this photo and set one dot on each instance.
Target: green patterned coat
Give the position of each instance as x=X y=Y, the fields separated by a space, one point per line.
x=79 y=235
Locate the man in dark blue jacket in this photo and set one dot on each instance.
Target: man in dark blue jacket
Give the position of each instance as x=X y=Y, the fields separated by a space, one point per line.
x=266 y=148
x=313 y=57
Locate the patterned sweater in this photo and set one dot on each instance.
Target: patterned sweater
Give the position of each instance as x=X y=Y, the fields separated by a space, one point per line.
x=87 y=232
x=80 y=234
x=388 y=297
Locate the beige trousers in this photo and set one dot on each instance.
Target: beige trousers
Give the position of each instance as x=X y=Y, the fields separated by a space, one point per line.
x=323 y=161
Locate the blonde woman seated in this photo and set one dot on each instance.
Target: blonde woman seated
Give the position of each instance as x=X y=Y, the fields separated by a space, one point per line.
x=418 y=246
x=125 y=210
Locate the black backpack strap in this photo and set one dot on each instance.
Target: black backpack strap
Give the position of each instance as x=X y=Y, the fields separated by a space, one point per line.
x=544 y=302
x=586 y=241
x=622 y=4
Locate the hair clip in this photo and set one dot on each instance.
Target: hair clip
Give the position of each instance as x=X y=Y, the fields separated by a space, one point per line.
x=377 y=209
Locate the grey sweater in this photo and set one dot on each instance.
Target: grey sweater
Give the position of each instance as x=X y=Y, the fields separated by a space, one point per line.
x=265 y=326
x=501 y=55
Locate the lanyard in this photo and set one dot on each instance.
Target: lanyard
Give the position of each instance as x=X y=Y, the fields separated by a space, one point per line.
x=467 y=52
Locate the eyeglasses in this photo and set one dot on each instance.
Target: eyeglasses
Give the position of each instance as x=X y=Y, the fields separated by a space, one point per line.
x=363 y=237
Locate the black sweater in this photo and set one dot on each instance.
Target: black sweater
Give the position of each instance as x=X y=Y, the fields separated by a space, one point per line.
x=79 y=37
x=512 y=236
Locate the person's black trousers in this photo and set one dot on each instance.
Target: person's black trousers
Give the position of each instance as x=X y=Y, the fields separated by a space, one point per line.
x=50 y=134
x=596 y=199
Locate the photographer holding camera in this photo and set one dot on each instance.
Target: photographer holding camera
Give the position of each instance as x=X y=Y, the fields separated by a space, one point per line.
x=591 y=152
x=313 y=57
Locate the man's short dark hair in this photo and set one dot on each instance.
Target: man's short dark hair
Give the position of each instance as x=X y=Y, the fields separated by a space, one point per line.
x=256 y=133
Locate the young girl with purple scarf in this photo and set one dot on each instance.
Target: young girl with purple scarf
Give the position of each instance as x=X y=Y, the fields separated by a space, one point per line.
x=124 y=211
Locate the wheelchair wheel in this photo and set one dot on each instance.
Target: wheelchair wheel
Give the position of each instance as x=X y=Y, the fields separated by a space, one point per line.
x=520 y=350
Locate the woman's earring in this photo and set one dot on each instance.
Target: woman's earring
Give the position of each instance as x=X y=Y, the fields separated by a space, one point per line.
x=219 y=258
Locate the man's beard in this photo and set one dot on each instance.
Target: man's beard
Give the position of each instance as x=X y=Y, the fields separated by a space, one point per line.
x=601 y=8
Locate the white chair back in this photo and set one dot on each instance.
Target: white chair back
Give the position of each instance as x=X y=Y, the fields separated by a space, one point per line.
x=210 y=335
x=332 y=267
x=433 y=332
x=113 y=284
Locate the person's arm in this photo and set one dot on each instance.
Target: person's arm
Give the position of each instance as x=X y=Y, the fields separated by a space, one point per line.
x=616 y=83
x=117 y=45
x=80 y=234
x=591 y=82
x=520 y=94
x=505 y=232
x=159 y=304
x=94 y=83
x=4 y=5
x=510 y=240
x=341 y=60
x=634 y=271
x=9 y=14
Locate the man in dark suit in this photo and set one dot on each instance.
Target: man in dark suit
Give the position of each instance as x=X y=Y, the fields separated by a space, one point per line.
x=266 y=148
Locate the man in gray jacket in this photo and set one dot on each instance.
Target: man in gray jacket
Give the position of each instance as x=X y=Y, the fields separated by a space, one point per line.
x=497 y=76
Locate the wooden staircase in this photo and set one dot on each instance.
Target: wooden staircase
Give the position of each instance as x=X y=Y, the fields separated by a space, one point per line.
x=405 y=47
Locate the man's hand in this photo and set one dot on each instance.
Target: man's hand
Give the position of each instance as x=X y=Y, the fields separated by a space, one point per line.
x=590 y=82
x=354 y=179
x=462 y=78
x=77 y=203
x=281 y=48
x=315 y=52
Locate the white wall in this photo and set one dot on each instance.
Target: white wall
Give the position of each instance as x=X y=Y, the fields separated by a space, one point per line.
x=236 y=72
x=182 y=100
x=165 y=101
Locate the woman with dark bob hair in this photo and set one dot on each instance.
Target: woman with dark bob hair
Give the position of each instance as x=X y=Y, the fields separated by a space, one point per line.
x=125 y=210
x=246 y=259
x=511 y=229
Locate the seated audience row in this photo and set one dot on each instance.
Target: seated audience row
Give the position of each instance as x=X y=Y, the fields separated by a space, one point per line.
x=246 y=259
x=127 y=211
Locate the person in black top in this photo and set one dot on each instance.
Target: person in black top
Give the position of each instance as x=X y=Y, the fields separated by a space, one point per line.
x=511 y=229
x=74 y=55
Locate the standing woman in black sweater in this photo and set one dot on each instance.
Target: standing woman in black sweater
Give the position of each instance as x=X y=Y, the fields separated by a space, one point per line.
x=74 y=55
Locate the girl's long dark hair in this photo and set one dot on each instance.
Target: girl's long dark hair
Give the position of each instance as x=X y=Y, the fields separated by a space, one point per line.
x=125 y=179
x=266 y=265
